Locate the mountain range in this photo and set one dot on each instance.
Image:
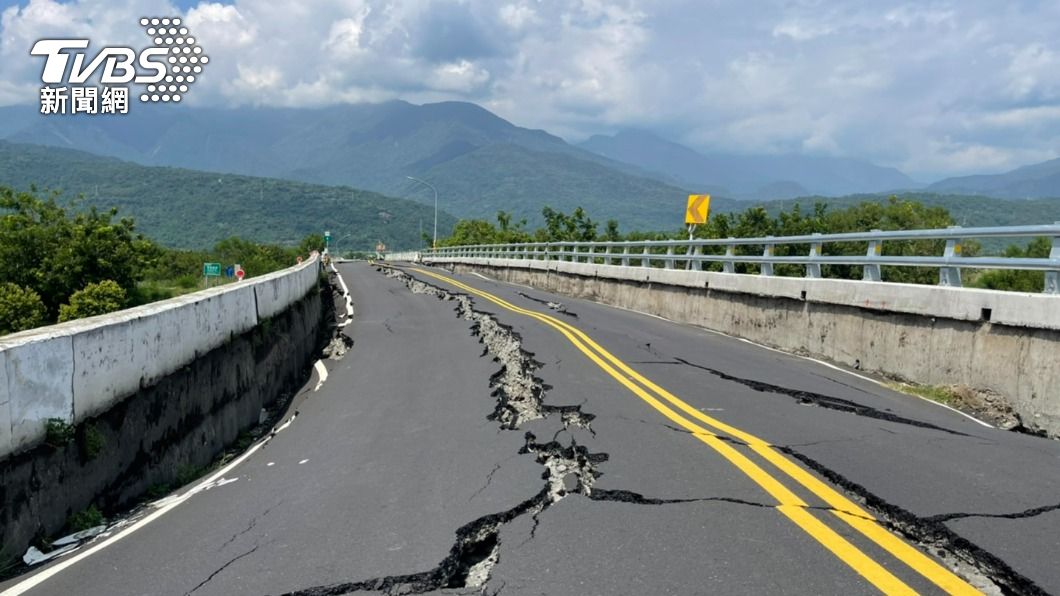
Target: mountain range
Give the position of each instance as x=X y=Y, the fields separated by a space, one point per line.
x=1029 y=182
x=479 y=162
x=757 y=177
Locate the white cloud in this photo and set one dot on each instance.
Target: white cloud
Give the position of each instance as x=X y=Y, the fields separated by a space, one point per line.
x=800 y=31
x=939 y=86
x=221 y=26
x=1034 y=68
x=518 y=16
x=344 y=38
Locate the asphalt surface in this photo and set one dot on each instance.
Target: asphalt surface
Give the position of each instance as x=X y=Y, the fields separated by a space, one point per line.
x=398 y=476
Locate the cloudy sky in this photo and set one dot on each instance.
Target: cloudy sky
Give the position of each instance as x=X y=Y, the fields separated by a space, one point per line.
x=933 y=88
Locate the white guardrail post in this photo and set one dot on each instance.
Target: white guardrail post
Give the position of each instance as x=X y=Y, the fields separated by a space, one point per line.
x=767 y=253
x=813 y=270
x=729 y=266
x=871 y=272
x=1052 y=278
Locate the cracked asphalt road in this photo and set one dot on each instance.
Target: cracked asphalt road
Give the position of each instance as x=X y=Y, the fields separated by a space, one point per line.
x=399 y=475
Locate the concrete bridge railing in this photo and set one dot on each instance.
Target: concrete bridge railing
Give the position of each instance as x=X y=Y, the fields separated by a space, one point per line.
x=79 y=369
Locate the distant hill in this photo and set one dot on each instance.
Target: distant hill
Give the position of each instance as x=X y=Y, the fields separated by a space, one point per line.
x=192 y=209
x=1034 y=181
x=479 y=162
x=747 y=176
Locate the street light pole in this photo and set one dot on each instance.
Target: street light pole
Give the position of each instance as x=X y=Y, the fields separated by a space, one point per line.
x=434 y=243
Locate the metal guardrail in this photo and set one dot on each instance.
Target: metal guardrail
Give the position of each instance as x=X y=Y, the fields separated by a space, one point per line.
x=690 y=253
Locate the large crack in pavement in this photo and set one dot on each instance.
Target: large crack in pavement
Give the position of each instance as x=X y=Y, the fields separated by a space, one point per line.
x=932 y=535
x=817 y=399
x=556 y=306
x=1026 y=513
x=519 y=394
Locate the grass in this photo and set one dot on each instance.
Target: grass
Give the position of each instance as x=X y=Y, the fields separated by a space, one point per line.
x=95 y=441
x=83 y=520
x=58 y=432
x=188 y=473
x=937 y=393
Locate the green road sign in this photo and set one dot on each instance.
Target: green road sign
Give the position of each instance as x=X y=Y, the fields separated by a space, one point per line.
x=211 y=269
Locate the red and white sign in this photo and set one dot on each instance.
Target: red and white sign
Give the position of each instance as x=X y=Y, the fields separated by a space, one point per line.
x=239 y=272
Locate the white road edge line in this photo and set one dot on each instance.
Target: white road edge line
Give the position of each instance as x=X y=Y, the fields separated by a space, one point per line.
x=322 y=374
x=26 y=585
x=753 y=343
x=345 y=296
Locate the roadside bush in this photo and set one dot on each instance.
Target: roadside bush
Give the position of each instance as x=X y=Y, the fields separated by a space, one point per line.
x=1013 y=280
x=20 y=309
x=94 y=299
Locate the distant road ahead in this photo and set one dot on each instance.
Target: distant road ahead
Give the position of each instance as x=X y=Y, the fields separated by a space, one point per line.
x=613 y=453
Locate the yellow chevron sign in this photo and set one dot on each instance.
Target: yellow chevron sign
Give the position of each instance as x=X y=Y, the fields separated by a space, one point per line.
x=698 y=209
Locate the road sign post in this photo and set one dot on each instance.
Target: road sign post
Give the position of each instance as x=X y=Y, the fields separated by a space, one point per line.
x=240 y=274
x=327 y=239
x=210 y=270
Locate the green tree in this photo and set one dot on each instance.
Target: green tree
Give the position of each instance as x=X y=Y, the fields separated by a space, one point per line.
x=312 y=242
x=20 y=309
x=95 y=299
x=255 y=258
x=508 y=232
x=1017 y=281
x=560 y=227
x=44 y=248
x=471 y=231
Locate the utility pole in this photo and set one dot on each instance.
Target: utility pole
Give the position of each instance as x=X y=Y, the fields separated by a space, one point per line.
x=434 y=243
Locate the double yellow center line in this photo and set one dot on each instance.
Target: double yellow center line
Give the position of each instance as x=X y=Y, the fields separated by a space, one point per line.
x=789 y=504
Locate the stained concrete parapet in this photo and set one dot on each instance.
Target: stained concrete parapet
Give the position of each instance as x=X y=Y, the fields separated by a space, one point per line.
x=75 y=370
x=1017 y=309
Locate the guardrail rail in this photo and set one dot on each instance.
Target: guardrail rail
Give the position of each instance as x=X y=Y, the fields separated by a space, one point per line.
x=691 y=254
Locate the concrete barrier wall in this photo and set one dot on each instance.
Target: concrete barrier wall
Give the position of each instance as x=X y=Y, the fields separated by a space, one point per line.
x=1005 y=343
x=78 y=369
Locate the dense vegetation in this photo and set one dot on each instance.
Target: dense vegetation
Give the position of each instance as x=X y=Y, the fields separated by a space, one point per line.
x=60 y=264
x=195 y=210
x=893 y=214
x=965 y=211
